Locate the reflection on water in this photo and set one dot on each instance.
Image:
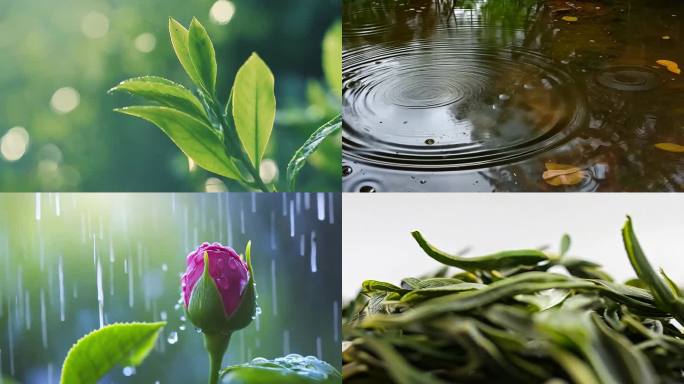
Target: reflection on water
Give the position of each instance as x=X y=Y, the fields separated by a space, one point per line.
x=74 y=262
x=481 y=95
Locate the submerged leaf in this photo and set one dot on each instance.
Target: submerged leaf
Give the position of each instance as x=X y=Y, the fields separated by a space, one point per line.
x=96 y=353
x=569 y=18
x=670 y=147
x=563 y=174
x=670 y=66
x=302 y=154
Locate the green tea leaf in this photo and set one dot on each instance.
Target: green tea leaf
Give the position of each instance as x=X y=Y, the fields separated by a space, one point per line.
x=332 y=58
x=665 y=297
x=302 y=154
x=565 y=244
x=254 y=106
x=202 y=55
x=164 y=92
x=194 y=137
x=494 y=261
x=179 y=40
x=95 y=354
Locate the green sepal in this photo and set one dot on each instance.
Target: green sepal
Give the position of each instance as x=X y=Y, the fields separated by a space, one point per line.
x=245 y=312
x=205 y=309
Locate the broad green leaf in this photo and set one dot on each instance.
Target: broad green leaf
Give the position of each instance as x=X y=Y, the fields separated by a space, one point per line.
x=291 y=369
x=125 y=344
x=494 y=261
x=202 y=55
x=332 y=58
x=164 y=92
x=254 y=106
x=303 y=153
x=195 y=138
x=179 y=40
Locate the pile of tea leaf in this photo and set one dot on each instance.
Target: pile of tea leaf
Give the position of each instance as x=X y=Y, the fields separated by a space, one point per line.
x=518 y=317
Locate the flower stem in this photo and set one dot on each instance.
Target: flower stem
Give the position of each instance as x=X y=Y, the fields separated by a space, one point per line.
x=216 y=345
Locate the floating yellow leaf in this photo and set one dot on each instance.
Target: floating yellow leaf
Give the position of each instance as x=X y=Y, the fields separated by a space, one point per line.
x=569 y=18
x=666 y=37
x=670 y=65
x=670 y=147
x=563 y=174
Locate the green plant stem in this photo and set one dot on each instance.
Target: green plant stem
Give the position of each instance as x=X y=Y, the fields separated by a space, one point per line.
x=226 y=129
x=216 y=345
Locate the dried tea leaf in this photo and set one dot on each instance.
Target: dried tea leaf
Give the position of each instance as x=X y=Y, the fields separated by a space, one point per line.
x=670 y=66
x=670 y=147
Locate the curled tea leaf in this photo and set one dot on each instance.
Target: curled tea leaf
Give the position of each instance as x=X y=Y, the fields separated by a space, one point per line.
x=563 y=174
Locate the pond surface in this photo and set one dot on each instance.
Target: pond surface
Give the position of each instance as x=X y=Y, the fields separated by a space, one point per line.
x=72 y=263
x=525 y=95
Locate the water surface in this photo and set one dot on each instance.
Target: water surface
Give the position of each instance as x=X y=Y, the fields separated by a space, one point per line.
x=446 y=95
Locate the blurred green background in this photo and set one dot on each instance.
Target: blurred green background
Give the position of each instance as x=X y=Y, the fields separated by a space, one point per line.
x=57 y=128
x=51 y=244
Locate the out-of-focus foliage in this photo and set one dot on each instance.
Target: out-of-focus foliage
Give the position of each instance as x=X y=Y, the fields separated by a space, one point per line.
x=58 y=62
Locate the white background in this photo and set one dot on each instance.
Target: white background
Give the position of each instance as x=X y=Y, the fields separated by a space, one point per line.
x=377 y=243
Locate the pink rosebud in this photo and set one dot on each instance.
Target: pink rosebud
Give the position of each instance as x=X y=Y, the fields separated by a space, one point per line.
x=228 y=271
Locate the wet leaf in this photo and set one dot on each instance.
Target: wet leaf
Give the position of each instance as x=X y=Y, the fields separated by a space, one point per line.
x=254 y=106
x=194 y=137
x=563 y=174
x=202 y=55
x=164 y=92
x=670 y=147
x=670 y=66
x=305 y=151
x=569 y=18
x=291 y=369
x=179 y=40
x=124 y=344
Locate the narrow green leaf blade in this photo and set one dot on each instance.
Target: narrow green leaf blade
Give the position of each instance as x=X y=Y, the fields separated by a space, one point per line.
x=302 y=154
x=194 y=137
x=202 y=55
x=662 y=293
x=254 y=106
x=565 y=244
x=497 y=260
x=99 y=351
x=179 y=40
x=164 y=92
x=332 y=58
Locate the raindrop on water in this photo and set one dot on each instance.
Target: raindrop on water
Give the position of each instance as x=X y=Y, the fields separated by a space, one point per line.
x=128 y=371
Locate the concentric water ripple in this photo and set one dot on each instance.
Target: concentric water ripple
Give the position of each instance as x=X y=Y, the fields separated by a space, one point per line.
x=446 y=103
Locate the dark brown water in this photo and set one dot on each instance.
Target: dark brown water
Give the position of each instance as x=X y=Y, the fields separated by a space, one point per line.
x=444 y=95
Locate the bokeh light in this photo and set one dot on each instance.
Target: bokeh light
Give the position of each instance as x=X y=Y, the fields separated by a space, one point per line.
x=145 y=42
x=268 y=170
x=222 y=12
x=14 y=143
x=95 y=25
x=65 y=100
x=214 y=184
